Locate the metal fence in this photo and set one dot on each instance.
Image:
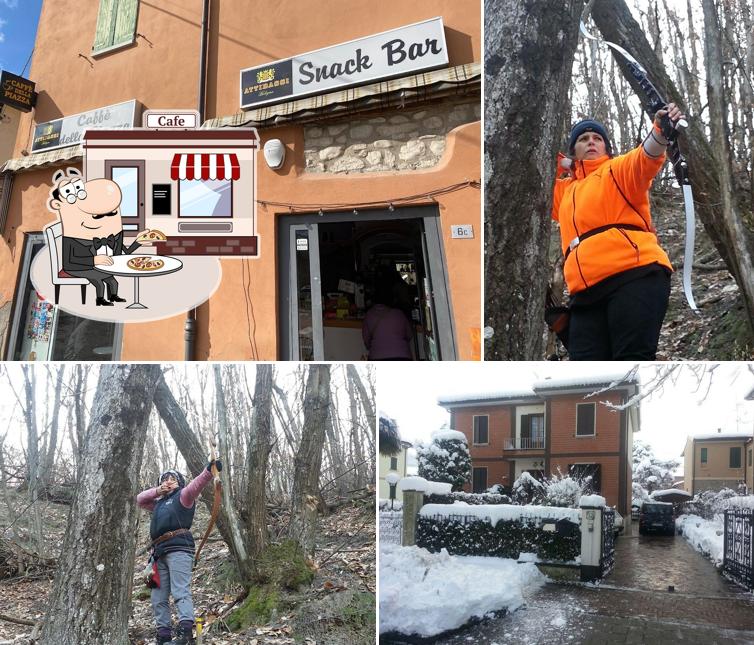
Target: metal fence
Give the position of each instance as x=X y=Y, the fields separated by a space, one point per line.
x=607 y=555
x=738 y=546
x=391 y=527
x=524 y=443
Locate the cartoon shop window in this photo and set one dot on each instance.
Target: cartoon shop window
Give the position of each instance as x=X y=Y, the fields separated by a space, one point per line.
x=205 y=187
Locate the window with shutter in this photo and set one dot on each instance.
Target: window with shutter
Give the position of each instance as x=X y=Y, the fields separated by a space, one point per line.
x=116 y=24
x=481 y=429
x=735 y=457
x=479 y=480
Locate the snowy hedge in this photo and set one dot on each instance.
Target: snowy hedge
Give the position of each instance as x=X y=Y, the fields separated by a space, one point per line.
x=445 y=459
x=470 y=498
x=505 y=538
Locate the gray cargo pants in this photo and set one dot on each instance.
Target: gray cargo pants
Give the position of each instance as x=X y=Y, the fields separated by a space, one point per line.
x=175 y=580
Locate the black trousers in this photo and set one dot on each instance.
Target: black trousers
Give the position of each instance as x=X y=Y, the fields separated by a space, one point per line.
x=622 y=326
x=99 y=279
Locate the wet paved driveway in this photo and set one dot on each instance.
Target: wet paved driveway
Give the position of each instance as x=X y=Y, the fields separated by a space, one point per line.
x=632 y=606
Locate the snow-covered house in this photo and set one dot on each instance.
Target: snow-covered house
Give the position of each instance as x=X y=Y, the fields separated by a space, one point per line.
x=717 y=460
x=396 y=463
x=555 y=425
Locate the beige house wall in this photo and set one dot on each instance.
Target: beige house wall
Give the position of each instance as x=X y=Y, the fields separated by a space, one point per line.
x=717 y=473
x=384 y=469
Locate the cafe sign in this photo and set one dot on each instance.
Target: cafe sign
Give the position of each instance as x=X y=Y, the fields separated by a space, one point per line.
x=17 y=92
x=69 y=131
x=393 y=53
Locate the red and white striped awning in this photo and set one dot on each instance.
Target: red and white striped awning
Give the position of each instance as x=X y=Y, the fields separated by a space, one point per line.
x=205 y=166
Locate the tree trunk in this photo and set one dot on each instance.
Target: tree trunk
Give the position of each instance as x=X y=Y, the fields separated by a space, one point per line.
x=304 y=498
x=49 y=461
x=238 y=540
x=367 y=402
x=529 y=48
x=32 y=434
x=91 y=598
x=732 y=238
x=257 y=456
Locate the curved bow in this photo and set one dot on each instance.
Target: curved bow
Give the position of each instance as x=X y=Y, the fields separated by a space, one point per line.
x=215 y=501
x=653 y=102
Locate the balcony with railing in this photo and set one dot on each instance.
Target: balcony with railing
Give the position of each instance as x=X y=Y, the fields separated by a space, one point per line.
x=524 y=443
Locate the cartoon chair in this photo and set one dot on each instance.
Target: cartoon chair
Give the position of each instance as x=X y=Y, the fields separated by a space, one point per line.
x=54 y=234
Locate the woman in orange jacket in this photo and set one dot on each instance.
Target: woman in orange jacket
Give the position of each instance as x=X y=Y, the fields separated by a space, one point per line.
x=617 y=274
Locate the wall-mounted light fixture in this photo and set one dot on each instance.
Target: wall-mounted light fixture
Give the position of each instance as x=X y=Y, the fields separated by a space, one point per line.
x=274 y=153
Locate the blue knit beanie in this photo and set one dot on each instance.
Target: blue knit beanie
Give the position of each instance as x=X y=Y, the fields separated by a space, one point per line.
x=589 y=125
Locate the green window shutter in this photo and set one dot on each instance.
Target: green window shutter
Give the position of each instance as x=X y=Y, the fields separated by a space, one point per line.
x=125 y=22
x=103 y=37
x=116 y=24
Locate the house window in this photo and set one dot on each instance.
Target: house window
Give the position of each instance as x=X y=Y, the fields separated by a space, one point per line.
x=735 y=457
x=481 y=430
x=205 y=198
x=393 y=463
x=116 y=24
x=704 y=455
x=585 y=416
x=532 y=431
x=592 y=472
x=479 y=480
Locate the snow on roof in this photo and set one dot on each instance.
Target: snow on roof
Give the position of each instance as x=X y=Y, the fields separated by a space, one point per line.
x=495 y=395
x=670 y=491
x=449 y=434
x=592 y=500
x=496 y=512
x=424 y=486
x=721 y=435
x=584 y=381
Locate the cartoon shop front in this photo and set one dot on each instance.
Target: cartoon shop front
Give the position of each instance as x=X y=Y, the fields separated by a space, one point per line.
x=366 y=180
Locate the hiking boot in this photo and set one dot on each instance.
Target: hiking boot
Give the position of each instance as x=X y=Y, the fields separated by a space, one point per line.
x=163 y=640
x=184 y=636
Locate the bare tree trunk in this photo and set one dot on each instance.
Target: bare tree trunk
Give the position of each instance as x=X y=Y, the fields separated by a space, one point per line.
x=367 y=402
x=529 y=49
x=49 y=461
x=238 y=542
x=91 y=598
x=731 y=236
x=304 y=498
x=257 y=456
x=32 y=434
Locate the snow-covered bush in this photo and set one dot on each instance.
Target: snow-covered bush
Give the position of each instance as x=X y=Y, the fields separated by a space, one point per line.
x=709 y=503
x=526 y=489
x=473 y=499
x=498 y=489
x=564 y=490
x=445 y=459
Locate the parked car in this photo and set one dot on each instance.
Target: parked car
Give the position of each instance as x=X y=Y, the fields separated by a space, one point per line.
x=656 y=517
x=617 y=524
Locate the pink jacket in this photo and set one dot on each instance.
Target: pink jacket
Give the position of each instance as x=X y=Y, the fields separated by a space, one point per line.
x=147 y=498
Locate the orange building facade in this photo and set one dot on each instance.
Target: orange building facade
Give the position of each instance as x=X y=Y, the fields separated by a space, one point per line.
x=554 y=427
x=377 y=178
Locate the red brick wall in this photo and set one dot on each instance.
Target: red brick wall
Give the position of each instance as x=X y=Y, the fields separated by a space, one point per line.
x=489 y=455
x=563 y=425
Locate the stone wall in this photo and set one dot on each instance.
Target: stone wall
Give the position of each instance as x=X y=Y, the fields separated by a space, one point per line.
x=397 y=141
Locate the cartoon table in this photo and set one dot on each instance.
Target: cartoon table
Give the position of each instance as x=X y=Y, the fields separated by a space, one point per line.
x=120 y=267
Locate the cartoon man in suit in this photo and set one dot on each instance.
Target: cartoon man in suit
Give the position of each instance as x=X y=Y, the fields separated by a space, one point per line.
x=92 y=229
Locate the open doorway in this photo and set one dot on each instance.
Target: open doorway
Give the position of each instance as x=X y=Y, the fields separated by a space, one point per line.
x=334 y=266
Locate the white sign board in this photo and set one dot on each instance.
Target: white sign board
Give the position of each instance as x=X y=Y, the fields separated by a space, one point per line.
x=462 y=231
x=171 y=119
x=69 y=131
x=398 y=52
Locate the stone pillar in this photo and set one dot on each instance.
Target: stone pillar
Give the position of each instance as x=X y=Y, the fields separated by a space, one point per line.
x=413 y=500
x=591 y=543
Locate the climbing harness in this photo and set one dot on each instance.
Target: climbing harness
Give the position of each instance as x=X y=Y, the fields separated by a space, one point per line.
x=653 y=102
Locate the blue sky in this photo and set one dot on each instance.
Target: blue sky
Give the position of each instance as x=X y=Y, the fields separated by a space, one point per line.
x=18 y=29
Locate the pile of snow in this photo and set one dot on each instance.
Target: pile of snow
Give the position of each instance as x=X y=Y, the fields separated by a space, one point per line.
x=385 y=505
x=592 y=500
x=424 y=486
x=744 y=501
x=497 y=512
x=427 y=593
x=706 y=536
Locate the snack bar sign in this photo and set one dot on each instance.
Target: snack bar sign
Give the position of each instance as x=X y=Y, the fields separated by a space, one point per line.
x=69 y=131
x=398 y=52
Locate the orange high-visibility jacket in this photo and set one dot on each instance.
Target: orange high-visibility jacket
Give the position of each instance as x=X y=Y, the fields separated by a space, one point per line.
x=593 y=199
